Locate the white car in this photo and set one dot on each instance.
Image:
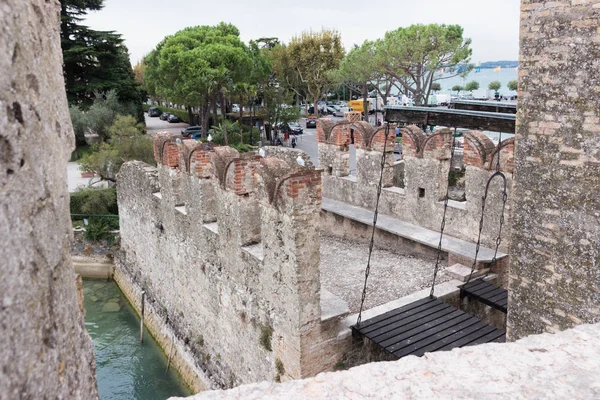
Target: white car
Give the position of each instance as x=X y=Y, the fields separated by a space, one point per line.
x=235 y=108
x=341 y=111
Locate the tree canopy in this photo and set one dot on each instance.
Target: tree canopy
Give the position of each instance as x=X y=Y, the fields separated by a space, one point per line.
x=513 y=85
x=94 y=61
x=307 y=60
x=457 y=88
x=357 y=69
x=194 y=65
x=414 y=55
x=495 y=86
x=473 y=85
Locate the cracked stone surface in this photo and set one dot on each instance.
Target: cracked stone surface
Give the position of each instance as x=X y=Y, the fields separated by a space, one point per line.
x=392 y=275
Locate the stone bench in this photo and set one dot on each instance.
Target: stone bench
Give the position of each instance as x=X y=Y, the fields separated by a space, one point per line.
x=457 y=249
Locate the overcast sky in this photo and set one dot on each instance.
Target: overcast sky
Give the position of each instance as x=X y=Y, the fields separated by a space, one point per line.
x=493 y=25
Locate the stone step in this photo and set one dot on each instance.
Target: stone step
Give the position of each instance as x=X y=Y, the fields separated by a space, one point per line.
x=461 y=272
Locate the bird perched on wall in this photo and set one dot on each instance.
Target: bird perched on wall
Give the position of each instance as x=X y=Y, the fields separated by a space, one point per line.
x=300 y=161
x=261 y=152
x=209 y=138
x=178 y=141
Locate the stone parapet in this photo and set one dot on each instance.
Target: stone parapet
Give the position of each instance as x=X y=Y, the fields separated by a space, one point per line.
x=228 y=246
x=425 y=168
x=533 y=367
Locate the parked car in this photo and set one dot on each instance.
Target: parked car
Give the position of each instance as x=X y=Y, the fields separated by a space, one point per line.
x=191 y=130
x=164 y=116
x=173 y=118
x=235 y=108
x=291 y=128
x=311 y=122
x=330 y=110
x=153 y=112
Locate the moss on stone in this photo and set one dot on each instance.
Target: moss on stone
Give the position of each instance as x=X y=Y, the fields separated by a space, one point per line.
x=266 y=334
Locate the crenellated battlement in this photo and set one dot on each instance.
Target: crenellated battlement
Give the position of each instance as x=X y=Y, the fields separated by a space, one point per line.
x=481 y=152
x=244 y=174
x=416 y=185
x=238 y=233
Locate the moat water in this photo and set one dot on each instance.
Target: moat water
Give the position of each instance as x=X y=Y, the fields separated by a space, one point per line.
x=125 y=368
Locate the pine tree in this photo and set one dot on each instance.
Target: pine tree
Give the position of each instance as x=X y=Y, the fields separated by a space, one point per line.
x=94 y=61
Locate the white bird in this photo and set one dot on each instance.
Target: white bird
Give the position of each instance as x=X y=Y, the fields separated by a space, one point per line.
x=261 y=152
x=209 y=138
x=300 y=161
x=178 y=141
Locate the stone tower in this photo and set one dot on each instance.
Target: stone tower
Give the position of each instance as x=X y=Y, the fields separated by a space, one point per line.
x=555 y=268
x=45 y=351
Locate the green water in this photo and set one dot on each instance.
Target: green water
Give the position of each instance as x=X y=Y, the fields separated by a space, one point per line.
x=125 y=368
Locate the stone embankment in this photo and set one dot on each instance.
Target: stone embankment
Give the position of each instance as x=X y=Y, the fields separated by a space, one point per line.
x=559 y=366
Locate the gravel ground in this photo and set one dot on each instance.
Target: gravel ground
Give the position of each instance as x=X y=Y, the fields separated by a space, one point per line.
x=392 y=276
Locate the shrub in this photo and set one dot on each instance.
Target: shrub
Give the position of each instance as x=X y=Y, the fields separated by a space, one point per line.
x=127 y=143
x=94 y=201
x=98 y=228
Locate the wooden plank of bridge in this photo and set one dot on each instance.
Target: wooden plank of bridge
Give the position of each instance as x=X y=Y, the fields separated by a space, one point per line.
x=424 y=326
x=487 y=293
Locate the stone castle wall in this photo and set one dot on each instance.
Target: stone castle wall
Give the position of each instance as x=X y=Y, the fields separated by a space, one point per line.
x=45 y=351
x=554 y=279
x=426 y=164
x=226 y=246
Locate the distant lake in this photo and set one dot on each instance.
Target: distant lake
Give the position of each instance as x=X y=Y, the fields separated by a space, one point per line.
x=484 y=77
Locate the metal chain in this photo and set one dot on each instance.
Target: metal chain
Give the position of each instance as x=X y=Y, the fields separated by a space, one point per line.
x=443 y=225
x=375 y=215
x=504 y=199
x=498 y=173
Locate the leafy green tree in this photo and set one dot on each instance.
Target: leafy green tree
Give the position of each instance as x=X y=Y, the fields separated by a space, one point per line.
x=495 y=86
x=100 y=116
x=414 y=55
x=127 y=143
x=470 y=86
x=457 y=89
x=436 y=87
x=94 y=61
x=357 y=69
x=284 y=71
x=310 y=56
x=513 y=85
x=194 y=65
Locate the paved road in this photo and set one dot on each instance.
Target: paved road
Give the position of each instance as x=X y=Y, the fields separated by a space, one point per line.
x=306 y=142
x=75 y=179
x=155 y=124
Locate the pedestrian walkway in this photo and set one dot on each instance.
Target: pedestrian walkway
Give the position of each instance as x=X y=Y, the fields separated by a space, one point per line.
x=418 y=234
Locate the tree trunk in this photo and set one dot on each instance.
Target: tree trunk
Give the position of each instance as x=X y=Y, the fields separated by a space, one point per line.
x=204 y=117
x=252 y=122
x=190 y=115
x=241 y=119
x=214 y=109
x=223 y=124
x=316 y=106
x=365 y=94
